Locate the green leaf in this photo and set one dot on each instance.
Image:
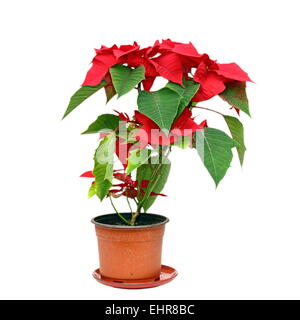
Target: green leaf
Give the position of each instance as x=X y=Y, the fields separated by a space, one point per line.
x=145 y=171
x=92 y=190
x=136 y=158
x=186 y=93
x=183 y=142
x=82 y=94
x=104 y=123
x=103 y=168
x=160 y=106
x=110 y=92
x=214 y=148
x=128 y=134
x=105 y=152
x=235 y=95
x=237 y=132
x=124 y=78
x=103 y=181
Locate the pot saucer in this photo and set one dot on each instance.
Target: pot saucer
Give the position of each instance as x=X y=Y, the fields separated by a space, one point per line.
x=167 y=274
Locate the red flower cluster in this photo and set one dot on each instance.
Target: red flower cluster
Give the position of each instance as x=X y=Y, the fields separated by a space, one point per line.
x=170 y=60
x=150 y=133
x=128 y=187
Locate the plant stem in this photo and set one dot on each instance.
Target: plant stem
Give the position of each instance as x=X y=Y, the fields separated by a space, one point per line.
x=127 y=222
x=139 y=88
x=129 y=205
x=130 y=191
x=146 y=196
x=209 y=110
x=134 y=217
x=154 y=178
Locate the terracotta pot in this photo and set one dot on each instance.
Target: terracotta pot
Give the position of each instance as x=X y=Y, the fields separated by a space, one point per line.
x=130 y=252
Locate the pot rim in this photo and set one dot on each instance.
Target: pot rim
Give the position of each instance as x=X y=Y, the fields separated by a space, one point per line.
x=106 y=225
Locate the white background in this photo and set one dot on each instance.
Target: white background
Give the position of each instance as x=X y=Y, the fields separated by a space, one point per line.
x=240 y=241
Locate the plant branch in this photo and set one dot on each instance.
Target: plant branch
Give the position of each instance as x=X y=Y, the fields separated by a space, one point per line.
x=129 y=205
x=154 y=178
x=112 y=203
x=130 y=191
x=210 y=110
x=139 y=87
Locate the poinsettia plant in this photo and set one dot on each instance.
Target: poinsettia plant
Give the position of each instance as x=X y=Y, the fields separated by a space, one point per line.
x=132 y=160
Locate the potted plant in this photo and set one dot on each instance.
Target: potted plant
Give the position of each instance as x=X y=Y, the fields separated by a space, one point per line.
x=132 y=158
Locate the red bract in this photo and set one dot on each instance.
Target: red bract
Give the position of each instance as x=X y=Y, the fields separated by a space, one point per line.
x=133 y=193
x=104 y=59
x=148 y=83
x=129 y=188
x=231 y=71
x=125 y=50
x=87 y=174
x=143 y=57
x=169 y=66
x=170 y=60
x=211 y=84
x=123 y=116
x=213 y=76
x=203 y=124
x=184 y=49
x=122 y=150
x=150 y=133
x=187 y=53
x=123 y=177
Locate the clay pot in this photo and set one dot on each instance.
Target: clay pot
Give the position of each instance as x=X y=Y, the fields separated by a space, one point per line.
x=130 y=252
